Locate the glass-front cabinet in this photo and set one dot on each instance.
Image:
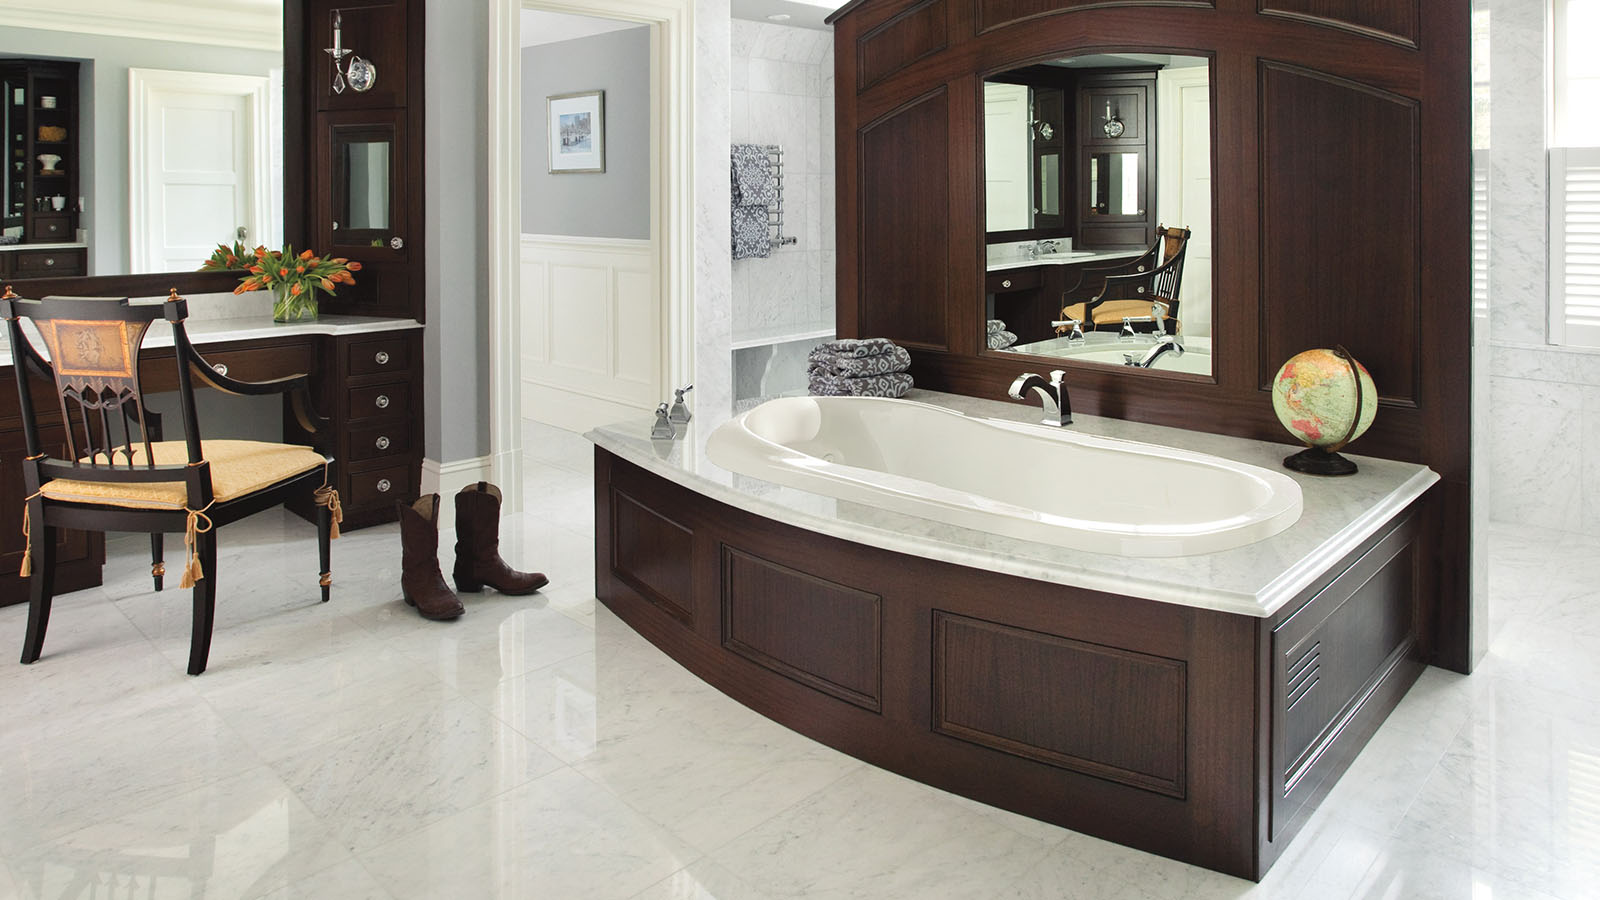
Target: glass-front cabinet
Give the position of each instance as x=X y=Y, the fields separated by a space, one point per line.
x=39 y=193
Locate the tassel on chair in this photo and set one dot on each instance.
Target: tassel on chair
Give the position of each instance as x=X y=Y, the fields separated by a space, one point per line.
x=329 y=497
x=27 y=534
x=192 y=572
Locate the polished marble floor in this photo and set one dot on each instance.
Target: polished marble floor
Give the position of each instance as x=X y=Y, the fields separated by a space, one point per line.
x=537 y=748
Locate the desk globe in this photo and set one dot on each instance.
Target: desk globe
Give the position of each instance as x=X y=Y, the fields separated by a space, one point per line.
x=1326 y=400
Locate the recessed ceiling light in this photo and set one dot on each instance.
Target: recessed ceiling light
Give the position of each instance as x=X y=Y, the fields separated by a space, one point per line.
x=778 y=17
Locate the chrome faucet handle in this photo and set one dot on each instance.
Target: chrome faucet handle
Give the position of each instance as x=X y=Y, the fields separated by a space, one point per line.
x=663 y=430
x=1076 y=334
x=1126 y=334
x=680 y=411
x=1056 y=377
x=1158 y=314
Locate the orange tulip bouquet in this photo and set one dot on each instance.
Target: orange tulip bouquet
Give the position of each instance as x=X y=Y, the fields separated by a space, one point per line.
x=293 y=280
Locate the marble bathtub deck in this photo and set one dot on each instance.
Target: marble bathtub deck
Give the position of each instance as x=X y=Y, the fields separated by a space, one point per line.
x=538 y=748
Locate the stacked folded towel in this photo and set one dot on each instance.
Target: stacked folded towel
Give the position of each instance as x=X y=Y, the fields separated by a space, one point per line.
x=999 y=337
x=871 y=367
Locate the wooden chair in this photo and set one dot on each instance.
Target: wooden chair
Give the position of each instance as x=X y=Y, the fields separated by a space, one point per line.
x=1130 y=287
x=135 y=481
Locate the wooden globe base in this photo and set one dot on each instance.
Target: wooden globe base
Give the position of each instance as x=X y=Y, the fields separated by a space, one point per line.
x=1312 y=461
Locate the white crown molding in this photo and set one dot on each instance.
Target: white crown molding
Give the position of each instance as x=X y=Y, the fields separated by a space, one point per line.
x=250 y=24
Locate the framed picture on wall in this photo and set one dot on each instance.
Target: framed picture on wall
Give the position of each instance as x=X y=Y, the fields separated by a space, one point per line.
x=577 y=132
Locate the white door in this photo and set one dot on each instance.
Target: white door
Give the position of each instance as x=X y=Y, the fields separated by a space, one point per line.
x=1007 y=157
x=1183 y=111
x=199 y=145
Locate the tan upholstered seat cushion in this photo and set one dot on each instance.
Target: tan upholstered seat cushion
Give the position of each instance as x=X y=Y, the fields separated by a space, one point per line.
x=238 y=468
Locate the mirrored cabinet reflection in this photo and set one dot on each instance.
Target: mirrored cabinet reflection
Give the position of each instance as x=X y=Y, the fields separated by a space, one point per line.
x=39 y=191
x=365 y=208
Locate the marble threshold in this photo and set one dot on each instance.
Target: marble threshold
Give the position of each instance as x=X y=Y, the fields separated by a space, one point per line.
x=1255 y=580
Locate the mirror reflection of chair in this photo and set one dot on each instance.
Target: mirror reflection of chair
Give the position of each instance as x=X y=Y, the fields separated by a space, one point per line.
x=1133 y=287
x=132 y=480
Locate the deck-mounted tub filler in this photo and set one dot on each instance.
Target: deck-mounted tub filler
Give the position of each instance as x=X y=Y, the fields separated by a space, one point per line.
x=1156 y=636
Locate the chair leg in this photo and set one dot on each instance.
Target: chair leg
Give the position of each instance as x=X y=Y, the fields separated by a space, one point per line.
x=42 y=585
x=324 y=551
x=205 y=603
x=158 y=568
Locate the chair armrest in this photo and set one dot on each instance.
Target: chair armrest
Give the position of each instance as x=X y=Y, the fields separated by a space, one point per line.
x=297 y=387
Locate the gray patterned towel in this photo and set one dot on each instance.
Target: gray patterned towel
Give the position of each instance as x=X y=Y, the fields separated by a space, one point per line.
x=858 y=347
x=892 y=385
x=822 y=362
x=1001 y=340
x=997 y=325
x=752 y=236
x=754 y=183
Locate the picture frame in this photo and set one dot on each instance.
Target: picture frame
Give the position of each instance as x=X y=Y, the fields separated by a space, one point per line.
x=576 y=138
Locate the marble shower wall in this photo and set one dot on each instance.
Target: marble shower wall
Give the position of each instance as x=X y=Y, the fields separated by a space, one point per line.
x=782 y=93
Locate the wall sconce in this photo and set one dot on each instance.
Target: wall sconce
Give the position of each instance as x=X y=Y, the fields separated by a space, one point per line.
x=1113 y=126
x=359 y=73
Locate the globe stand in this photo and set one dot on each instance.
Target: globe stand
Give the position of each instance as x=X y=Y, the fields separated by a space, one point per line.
x=1312 y=461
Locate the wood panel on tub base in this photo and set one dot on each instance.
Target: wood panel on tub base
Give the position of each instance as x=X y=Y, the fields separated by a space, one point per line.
x=1204 y=736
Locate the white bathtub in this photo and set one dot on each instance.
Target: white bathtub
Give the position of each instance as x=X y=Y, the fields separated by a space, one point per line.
x=1061 y=487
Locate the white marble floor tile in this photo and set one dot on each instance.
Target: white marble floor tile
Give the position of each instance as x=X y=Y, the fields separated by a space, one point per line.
x=348 y=880
x=9 y=889
x=240 y=837
x=399 y=776
x=701 y=880
x=100 y=770
x=71 y=691
x=498 y=638
x=559 y=836
x=876 y=835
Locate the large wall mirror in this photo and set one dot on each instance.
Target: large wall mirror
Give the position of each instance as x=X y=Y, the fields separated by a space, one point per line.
x=1097 y=205
x=167 y=137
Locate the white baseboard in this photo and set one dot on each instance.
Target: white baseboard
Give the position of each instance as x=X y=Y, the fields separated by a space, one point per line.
x=446 y=479
x=573 y=411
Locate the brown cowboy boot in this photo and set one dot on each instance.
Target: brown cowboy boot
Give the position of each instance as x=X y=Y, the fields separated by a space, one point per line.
x=421 y=582
x=478 y=561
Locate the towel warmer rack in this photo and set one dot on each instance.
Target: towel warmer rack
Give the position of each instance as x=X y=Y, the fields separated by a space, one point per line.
x=775 y=211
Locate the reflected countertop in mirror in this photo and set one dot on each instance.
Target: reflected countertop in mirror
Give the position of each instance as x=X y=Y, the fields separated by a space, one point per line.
x=1010 y=259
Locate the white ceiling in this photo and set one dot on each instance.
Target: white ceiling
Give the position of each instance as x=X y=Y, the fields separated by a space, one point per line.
x=801 y=13
x=540 y=27
x=256 y=24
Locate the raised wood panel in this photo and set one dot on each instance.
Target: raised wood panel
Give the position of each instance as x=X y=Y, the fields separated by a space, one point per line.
x=1395 y=21
x=902 y=40
x=653 y=555
x=822 y=634
x=997 y=13
x=905 y=223
x=1102 y=711
x=1341 y=225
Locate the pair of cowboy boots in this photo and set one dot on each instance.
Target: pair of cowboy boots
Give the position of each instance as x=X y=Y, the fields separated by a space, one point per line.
x=478 y=562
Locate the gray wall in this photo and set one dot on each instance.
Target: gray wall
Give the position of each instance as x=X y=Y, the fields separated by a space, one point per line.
x=612 y=204
x=456 y=188
x=104 y=137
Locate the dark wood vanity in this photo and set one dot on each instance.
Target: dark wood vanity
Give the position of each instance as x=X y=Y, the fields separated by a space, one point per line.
x=366 y=354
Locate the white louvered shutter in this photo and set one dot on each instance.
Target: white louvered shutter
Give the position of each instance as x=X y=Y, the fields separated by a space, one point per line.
x=1575 y=246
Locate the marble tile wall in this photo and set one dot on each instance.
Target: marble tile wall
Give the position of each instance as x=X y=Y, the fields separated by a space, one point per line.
x=782 y=93
x=713 y=300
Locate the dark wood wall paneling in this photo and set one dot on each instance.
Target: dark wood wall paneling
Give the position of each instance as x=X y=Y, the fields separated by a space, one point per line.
x=1341 y=174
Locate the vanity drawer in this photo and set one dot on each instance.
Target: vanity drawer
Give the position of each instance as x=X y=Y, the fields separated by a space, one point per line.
x=264 y=364
x=1023 y=279
x=380 y=400
x=376 y=356
x=51 y=228
x=49 y=262
x=379 y=441
x=380 y=485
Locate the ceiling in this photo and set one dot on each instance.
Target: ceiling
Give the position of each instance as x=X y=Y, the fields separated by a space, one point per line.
x=540 y=27
x=256 y=24
x=801 y=13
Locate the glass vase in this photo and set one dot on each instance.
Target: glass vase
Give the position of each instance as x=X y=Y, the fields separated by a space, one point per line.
x=287 y=307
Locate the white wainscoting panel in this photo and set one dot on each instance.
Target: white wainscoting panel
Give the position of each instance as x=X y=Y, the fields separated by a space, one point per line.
x=592 y=343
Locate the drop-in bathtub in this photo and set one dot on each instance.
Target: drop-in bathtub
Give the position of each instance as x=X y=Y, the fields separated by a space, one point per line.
x=1059 y=487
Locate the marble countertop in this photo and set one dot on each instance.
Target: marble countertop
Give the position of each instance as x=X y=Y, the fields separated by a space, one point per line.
x=1075 y=257
x=1255 y=580
x=12 y=248
x=239 y=328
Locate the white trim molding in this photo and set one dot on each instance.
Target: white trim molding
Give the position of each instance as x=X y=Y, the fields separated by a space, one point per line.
x=142 y=84
x=251 y=24
x=672 y=207
x=447 y=479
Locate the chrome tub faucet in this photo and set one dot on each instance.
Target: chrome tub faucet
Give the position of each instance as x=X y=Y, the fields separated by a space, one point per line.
x=1052 y=391
x=1166 y=344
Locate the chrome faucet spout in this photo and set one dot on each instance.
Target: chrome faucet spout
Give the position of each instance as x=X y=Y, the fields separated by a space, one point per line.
x=1168 y=344
x=1050 y=392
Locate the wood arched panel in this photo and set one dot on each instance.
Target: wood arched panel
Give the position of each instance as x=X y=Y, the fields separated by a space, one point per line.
x=1395 y=21
x=1340 y=225
x=905 y=222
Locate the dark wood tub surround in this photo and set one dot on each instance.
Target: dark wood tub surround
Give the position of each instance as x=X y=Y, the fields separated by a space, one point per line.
x=1200 y=735
x=1341 y=174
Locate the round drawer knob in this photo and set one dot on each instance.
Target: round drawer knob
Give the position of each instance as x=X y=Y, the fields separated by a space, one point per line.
x=384 y=486
x=382 y=358
x=382 y=401
x=396 y=243
x=50 y=260
x=220 y=368
x=1006 y=283
x=382 y=443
